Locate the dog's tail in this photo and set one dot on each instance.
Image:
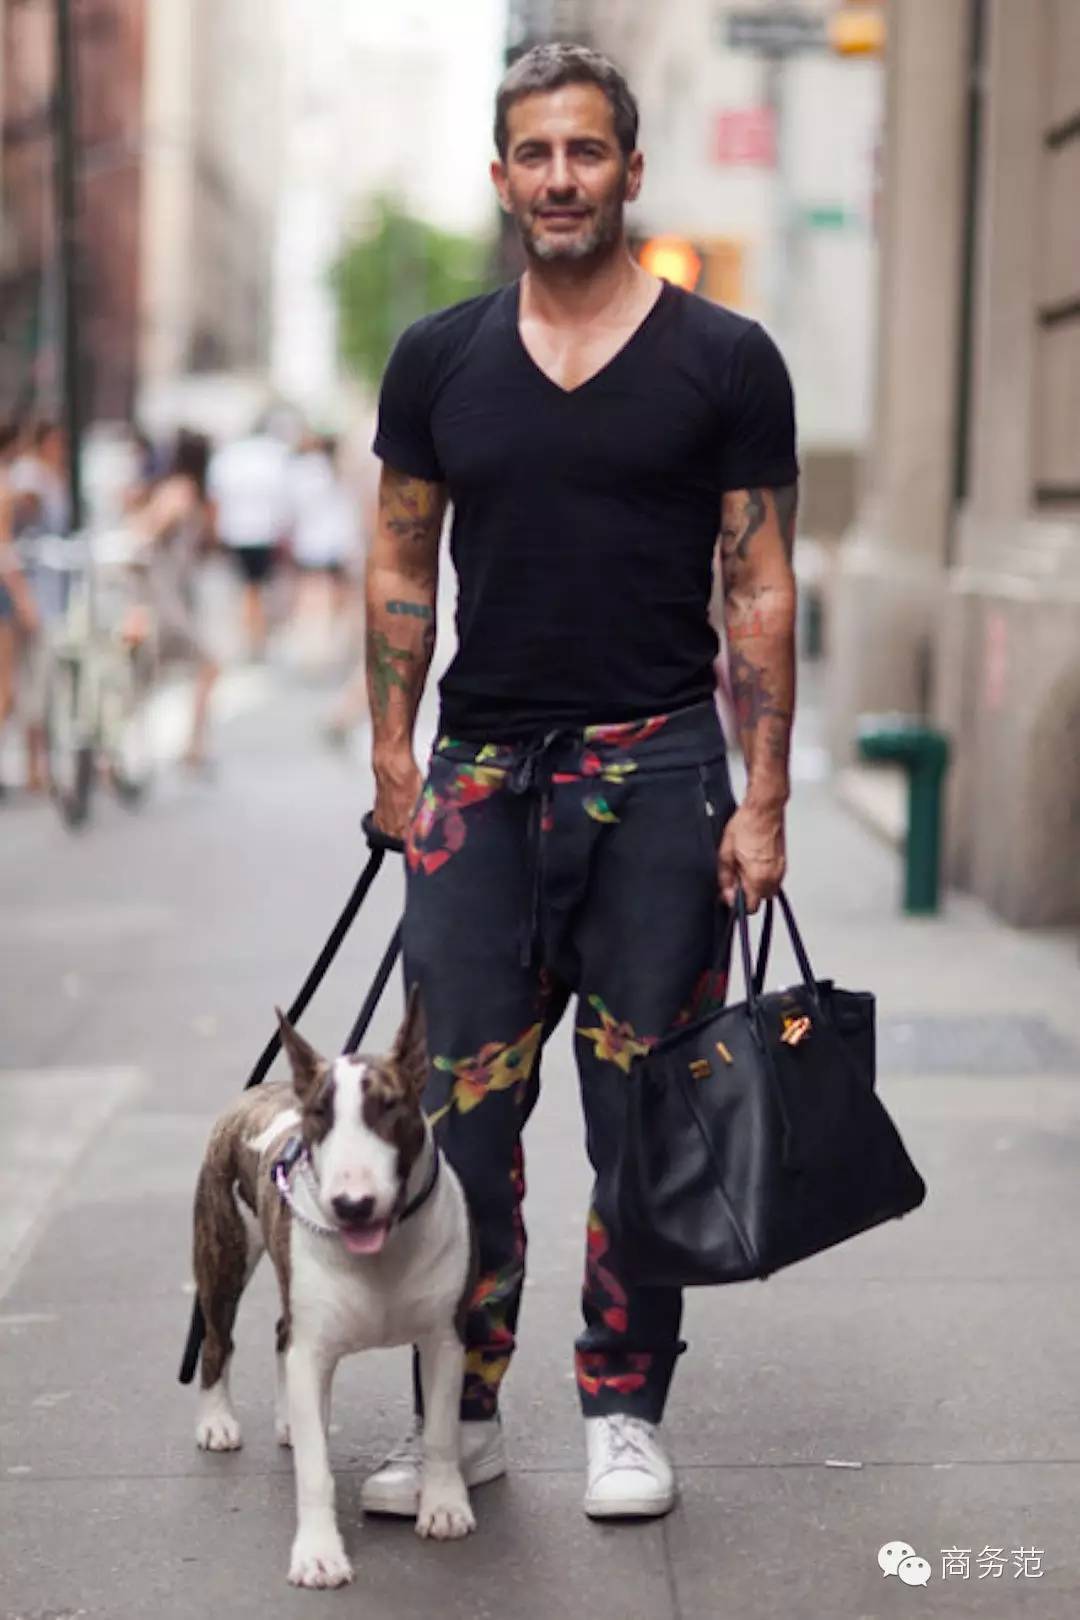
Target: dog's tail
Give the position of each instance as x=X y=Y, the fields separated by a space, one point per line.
x=196 y=1334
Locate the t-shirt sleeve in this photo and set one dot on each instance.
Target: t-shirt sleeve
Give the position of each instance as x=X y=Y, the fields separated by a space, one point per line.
x=759 y=439
x=403 y=436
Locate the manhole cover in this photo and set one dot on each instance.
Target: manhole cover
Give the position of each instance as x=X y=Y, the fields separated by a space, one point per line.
x=975 y=1045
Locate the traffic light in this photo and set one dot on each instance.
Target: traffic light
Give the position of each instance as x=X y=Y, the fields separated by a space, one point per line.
x=674 y=258
x=857 y=28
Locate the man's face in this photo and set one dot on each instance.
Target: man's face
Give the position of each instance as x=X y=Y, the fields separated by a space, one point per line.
x=566 y=179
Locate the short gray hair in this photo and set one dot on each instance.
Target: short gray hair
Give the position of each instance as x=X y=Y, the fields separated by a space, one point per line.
x=550 y=67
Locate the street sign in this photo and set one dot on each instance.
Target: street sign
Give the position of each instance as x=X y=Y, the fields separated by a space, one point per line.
x=829 y=217
x=777 y=32
x=745 y=137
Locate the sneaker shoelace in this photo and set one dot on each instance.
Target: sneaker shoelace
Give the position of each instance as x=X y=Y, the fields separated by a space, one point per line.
x=628 y=1443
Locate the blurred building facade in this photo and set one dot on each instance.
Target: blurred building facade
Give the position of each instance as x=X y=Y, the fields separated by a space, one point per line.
x=212 y=143
x=959 y=590
x=394 y=100
x=177 y=125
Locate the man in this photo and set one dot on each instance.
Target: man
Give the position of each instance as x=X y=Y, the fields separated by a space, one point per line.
x=594 y=428
x=248 y=486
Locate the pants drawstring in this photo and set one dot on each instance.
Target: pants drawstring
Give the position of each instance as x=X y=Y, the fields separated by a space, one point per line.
x=530 y=774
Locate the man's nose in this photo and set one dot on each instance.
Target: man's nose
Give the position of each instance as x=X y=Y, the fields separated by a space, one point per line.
x=560 y=178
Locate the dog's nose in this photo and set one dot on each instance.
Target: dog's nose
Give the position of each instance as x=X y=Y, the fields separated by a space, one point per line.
x=353 y=1211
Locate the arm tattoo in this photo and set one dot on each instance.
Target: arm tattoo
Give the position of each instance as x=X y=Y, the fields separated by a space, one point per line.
x=412 y=507
x=741 y=525
x=753 y=700
x=787 y=504
x=413 y=610
x=756 y=540
x=383 y=673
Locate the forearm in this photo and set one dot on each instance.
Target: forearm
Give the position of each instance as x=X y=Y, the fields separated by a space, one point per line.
x=760 y=624
x=399 y=643
x=757 y=541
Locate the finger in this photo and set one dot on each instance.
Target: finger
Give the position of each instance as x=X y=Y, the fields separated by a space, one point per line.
x=728 y=875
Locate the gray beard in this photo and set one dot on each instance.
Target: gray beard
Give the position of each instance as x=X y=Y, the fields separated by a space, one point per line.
x=604 y=231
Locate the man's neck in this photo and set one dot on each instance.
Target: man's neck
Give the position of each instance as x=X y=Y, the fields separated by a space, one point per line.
x=573 y=294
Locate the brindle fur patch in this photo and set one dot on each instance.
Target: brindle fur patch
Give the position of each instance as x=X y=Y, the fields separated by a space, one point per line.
x=391 y=1111
x=317 y=1111
x=232 y=1170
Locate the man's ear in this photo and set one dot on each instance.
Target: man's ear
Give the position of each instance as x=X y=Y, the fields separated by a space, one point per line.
x=410 y=1055
x=499 y=181
x=307 y=1066
x=635 y=174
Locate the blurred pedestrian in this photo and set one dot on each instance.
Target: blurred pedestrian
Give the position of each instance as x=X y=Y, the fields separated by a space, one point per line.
x=323 y=536
x=18 y=611
x=174 y=524
x=601 y=435
x=249 y=491
x=41 y=511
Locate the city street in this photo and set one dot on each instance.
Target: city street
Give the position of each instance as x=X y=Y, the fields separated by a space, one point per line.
x=918 y=1384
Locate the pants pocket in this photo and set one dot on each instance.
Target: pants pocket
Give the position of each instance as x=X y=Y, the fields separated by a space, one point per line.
x=714 y=804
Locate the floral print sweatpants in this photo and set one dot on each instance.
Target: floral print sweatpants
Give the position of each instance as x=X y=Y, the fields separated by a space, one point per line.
x=583 y=865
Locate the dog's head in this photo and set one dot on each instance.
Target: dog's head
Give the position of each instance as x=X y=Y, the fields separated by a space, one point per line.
x=362 y=1122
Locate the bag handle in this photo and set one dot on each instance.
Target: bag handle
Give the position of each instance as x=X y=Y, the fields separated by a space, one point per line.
x=755 y=975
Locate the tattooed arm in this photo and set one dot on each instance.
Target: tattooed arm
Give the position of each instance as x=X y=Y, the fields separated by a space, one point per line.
x=756 y=542
x=401 y=579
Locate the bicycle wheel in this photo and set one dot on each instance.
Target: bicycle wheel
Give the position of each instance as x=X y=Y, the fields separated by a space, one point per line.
x=70 y=755
x=126 y=740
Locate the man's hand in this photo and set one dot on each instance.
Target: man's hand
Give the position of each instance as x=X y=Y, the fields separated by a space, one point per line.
x=752 y=852
x=397 y=788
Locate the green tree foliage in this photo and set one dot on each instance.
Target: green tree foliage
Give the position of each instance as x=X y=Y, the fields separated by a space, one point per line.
x=399 y=269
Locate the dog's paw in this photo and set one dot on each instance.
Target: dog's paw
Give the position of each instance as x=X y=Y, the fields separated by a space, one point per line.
x=319 y=1563
x=444 y=1513
x=221 y=1432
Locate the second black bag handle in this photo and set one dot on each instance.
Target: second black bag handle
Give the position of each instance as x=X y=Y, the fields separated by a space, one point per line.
x=755 y=974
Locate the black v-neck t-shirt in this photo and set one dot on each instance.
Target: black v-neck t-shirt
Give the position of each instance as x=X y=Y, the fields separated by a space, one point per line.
x=584 y=520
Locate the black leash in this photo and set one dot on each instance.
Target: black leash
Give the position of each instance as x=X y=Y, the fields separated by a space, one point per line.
x=380 y=844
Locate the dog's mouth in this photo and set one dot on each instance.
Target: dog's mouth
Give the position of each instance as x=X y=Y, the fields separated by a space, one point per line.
x=366 y=1239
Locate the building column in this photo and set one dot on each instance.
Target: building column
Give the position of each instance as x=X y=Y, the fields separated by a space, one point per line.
x=886 y=596
x=1009 y=692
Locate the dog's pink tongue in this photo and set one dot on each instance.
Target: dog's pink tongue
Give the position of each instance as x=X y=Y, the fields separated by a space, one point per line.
x=364 y=1240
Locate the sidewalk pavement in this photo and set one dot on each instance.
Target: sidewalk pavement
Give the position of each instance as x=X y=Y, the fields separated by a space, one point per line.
x=918 y=1384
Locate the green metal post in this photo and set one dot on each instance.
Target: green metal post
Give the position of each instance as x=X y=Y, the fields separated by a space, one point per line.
x=922 y=862
x=923 y=753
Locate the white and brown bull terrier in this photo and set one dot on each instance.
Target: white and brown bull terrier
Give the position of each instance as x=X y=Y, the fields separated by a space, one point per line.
x=337 y=1175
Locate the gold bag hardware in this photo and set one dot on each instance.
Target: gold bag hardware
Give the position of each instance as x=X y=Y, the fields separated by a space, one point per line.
x=700 y=1069
x=795 y=1030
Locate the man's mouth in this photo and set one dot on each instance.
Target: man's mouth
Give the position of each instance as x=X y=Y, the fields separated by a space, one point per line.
x=367 y=1239
x=564 y=216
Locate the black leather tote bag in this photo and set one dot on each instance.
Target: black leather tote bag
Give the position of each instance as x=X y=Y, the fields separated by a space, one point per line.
x=754 y=1137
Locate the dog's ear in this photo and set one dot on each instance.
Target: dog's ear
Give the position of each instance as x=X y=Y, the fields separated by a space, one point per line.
x=307 y=1066
x=410 y=1055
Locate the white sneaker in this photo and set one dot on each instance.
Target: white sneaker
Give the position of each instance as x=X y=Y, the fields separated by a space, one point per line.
x=395 y=1487
x=629 y=1473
